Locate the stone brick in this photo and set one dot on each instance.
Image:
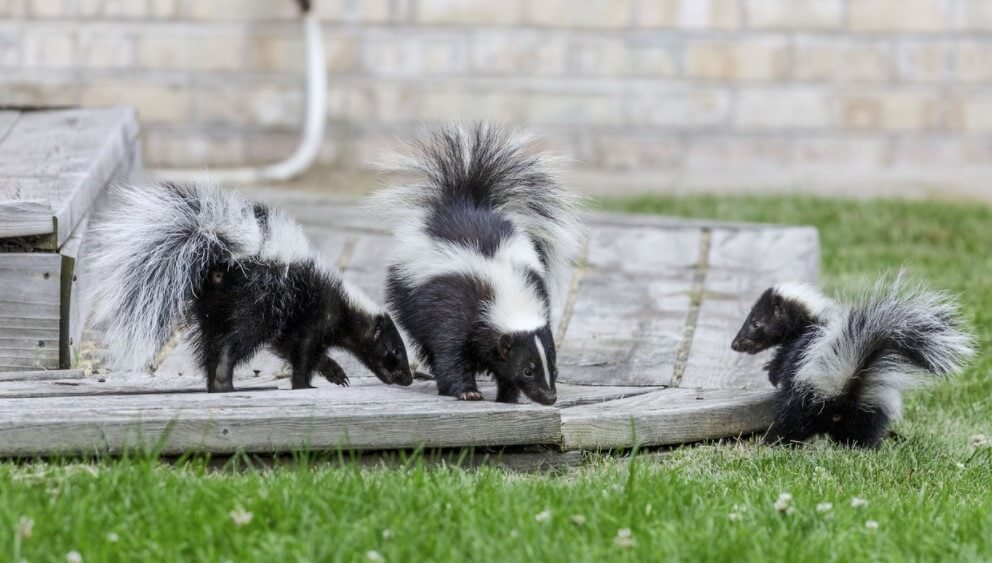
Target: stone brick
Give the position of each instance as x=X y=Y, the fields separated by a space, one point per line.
x=689 y=14
x=11 y=8
x=192 y=148
x=55 y=48
x=113 y=8
x=518 y=53
x=892 y=110
x=633 y=153
x=471 y=104
x=162 y=8
x=49 y=8
x=974 y=114
x=856 y=153
x=343 y=51
x=460 y=12
x=281 y=52
x=103 y=48
x=178 y=49
x=899 y=15
x=366 y=11
x=753 y=59
x=245 y=104
x=574 y=109
x=928 y=61
x=795 y=14
x=680 y=107
x=241 y=10
x=723 y=152
x=782 y=108
x=10 y=48
x=156 y=103
x=39 y=92
x=843 y=60
x=973 y=61
x=581 y=13
x=974 y=15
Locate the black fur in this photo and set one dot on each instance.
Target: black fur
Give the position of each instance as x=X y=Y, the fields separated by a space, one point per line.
x=890 y=332
x=300 y=312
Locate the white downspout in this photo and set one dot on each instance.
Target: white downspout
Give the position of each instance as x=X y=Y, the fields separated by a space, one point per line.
x=313 y=124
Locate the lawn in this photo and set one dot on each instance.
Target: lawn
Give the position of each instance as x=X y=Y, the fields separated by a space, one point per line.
x=924 y=495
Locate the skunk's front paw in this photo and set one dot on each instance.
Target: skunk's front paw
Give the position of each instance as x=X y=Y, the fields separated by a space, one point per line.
x=470 y=396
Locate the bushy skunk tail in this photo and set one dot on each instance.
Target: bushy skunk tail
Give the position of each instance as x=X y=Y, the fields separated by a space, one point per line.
x=898 y=335
x=491 y=168
x=153 y=249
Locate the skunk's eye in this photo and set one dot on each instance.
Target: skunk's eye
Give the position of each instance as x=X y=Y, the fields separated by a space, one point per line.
x=755 y=324
x=528 y=372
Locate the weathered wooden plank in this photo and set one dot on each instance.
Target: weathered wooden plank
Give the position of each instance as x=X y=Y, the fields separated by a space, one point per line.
x=631 y=309
x=672 y=416
x=29 y=299
x=7 y=120
x=44 y=375
x=269 y=421
x=742 y=264
x=27 y=217
x=69 y=156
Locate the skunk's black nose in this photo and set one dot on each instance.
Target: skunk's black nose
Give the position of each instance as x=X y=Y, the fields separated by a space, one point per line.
x=740 y=345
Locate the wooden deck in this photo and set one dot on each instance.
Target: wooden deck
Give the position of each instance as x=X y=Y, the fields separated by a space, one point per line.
x=644 y=358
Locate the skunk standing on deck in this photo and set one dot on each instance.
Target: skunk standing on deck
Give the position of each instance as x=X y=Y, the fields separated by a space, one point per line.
x=841 y=369
x=485 y=240
x=241 y=276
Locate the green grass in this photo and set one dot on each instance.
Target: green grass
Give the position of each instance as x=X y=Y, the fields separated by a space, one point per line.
x=930 y=494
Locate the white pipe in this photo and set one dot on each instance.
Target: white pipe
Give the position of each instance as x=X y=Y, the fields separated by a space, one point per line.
x=313 y=126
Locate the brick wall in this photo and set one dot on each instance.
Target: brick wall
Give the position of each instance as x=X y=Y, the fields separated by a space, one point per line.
x=643 y=93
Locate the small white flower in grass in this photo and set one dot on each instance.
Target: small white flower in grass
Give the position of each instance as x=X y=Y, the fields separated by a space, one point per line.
x=625 y=538
x=980 y=441
x=784 y=503
x=73 y=557
x=858 y=502
x=734 y=516
x=578 y=519
x=514 y=534
x=241 y=517
x=960 y=465
x=824 y=507
x=387 y=534
x=373 y=556
x=871 y=525
x=543 y=516
x=112 y=537
x=25 y=526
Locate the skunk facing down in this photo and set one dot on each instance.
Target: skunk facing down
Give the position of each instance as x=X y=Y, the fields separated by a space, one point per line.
x=241 y=276
x=485 y=239
x=841 y=369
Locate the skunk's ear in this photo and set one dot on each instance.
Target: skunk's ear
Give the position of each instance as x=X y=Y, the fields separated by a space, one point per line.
x=778 y=311
x=503 y=344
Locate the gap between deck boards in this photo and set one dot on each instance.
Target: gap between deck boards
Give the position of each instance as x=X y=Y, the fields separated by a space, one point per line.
x=695 y=304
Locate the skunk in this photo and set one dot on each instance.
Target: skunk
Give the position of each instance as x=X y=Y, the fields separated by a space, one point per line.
x=841 y=369
x=240 y=275
x=485 y=238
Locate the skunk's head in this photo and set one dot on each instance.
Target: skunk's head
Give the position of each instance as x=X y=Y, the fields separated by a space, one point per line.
x=781 y=311
x=527 y=359
x=381 y=349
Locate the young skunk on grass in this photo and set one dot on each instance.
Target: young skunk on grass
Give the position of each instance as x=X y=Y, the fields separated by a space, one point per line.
x=485 y=239
x=240 y=275
x=841 y=369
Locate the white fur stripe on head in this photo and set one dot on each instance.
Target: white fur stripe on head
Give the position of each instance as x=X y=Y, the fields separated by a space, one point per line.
x=806 y=295
x=359 y=300
x=544 y=358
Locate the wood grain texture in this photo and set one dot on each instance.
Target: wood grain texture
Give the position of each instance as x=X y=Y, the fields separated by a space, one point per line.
x=632 y=304
x=671 y=416
x=742 y=264
x=265 y=421
x=28 y=217
x=29 y=310
x=7 y=120
x=43 y=375
x=64 y=158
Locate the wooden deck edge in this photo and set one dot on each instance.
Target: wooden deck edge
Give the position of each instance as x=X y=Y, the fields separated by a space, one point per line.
x=42 y=375
x=747 y=414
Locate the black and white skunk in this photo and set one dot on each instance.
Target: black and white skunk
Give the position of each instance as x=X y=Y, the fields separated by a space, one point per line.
x=240 y=275
x=841 y=369
x=485 y=238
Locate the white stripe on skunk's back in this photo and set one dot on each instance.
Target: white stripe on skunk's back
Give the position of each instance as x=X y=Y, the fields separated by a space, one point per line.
x=284 y=240
x=517 y=306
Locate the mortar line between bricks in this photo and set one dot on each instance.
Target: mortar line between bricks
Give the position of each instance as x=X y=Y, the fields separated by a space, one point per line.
x=573 y=295
x=696 y=302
